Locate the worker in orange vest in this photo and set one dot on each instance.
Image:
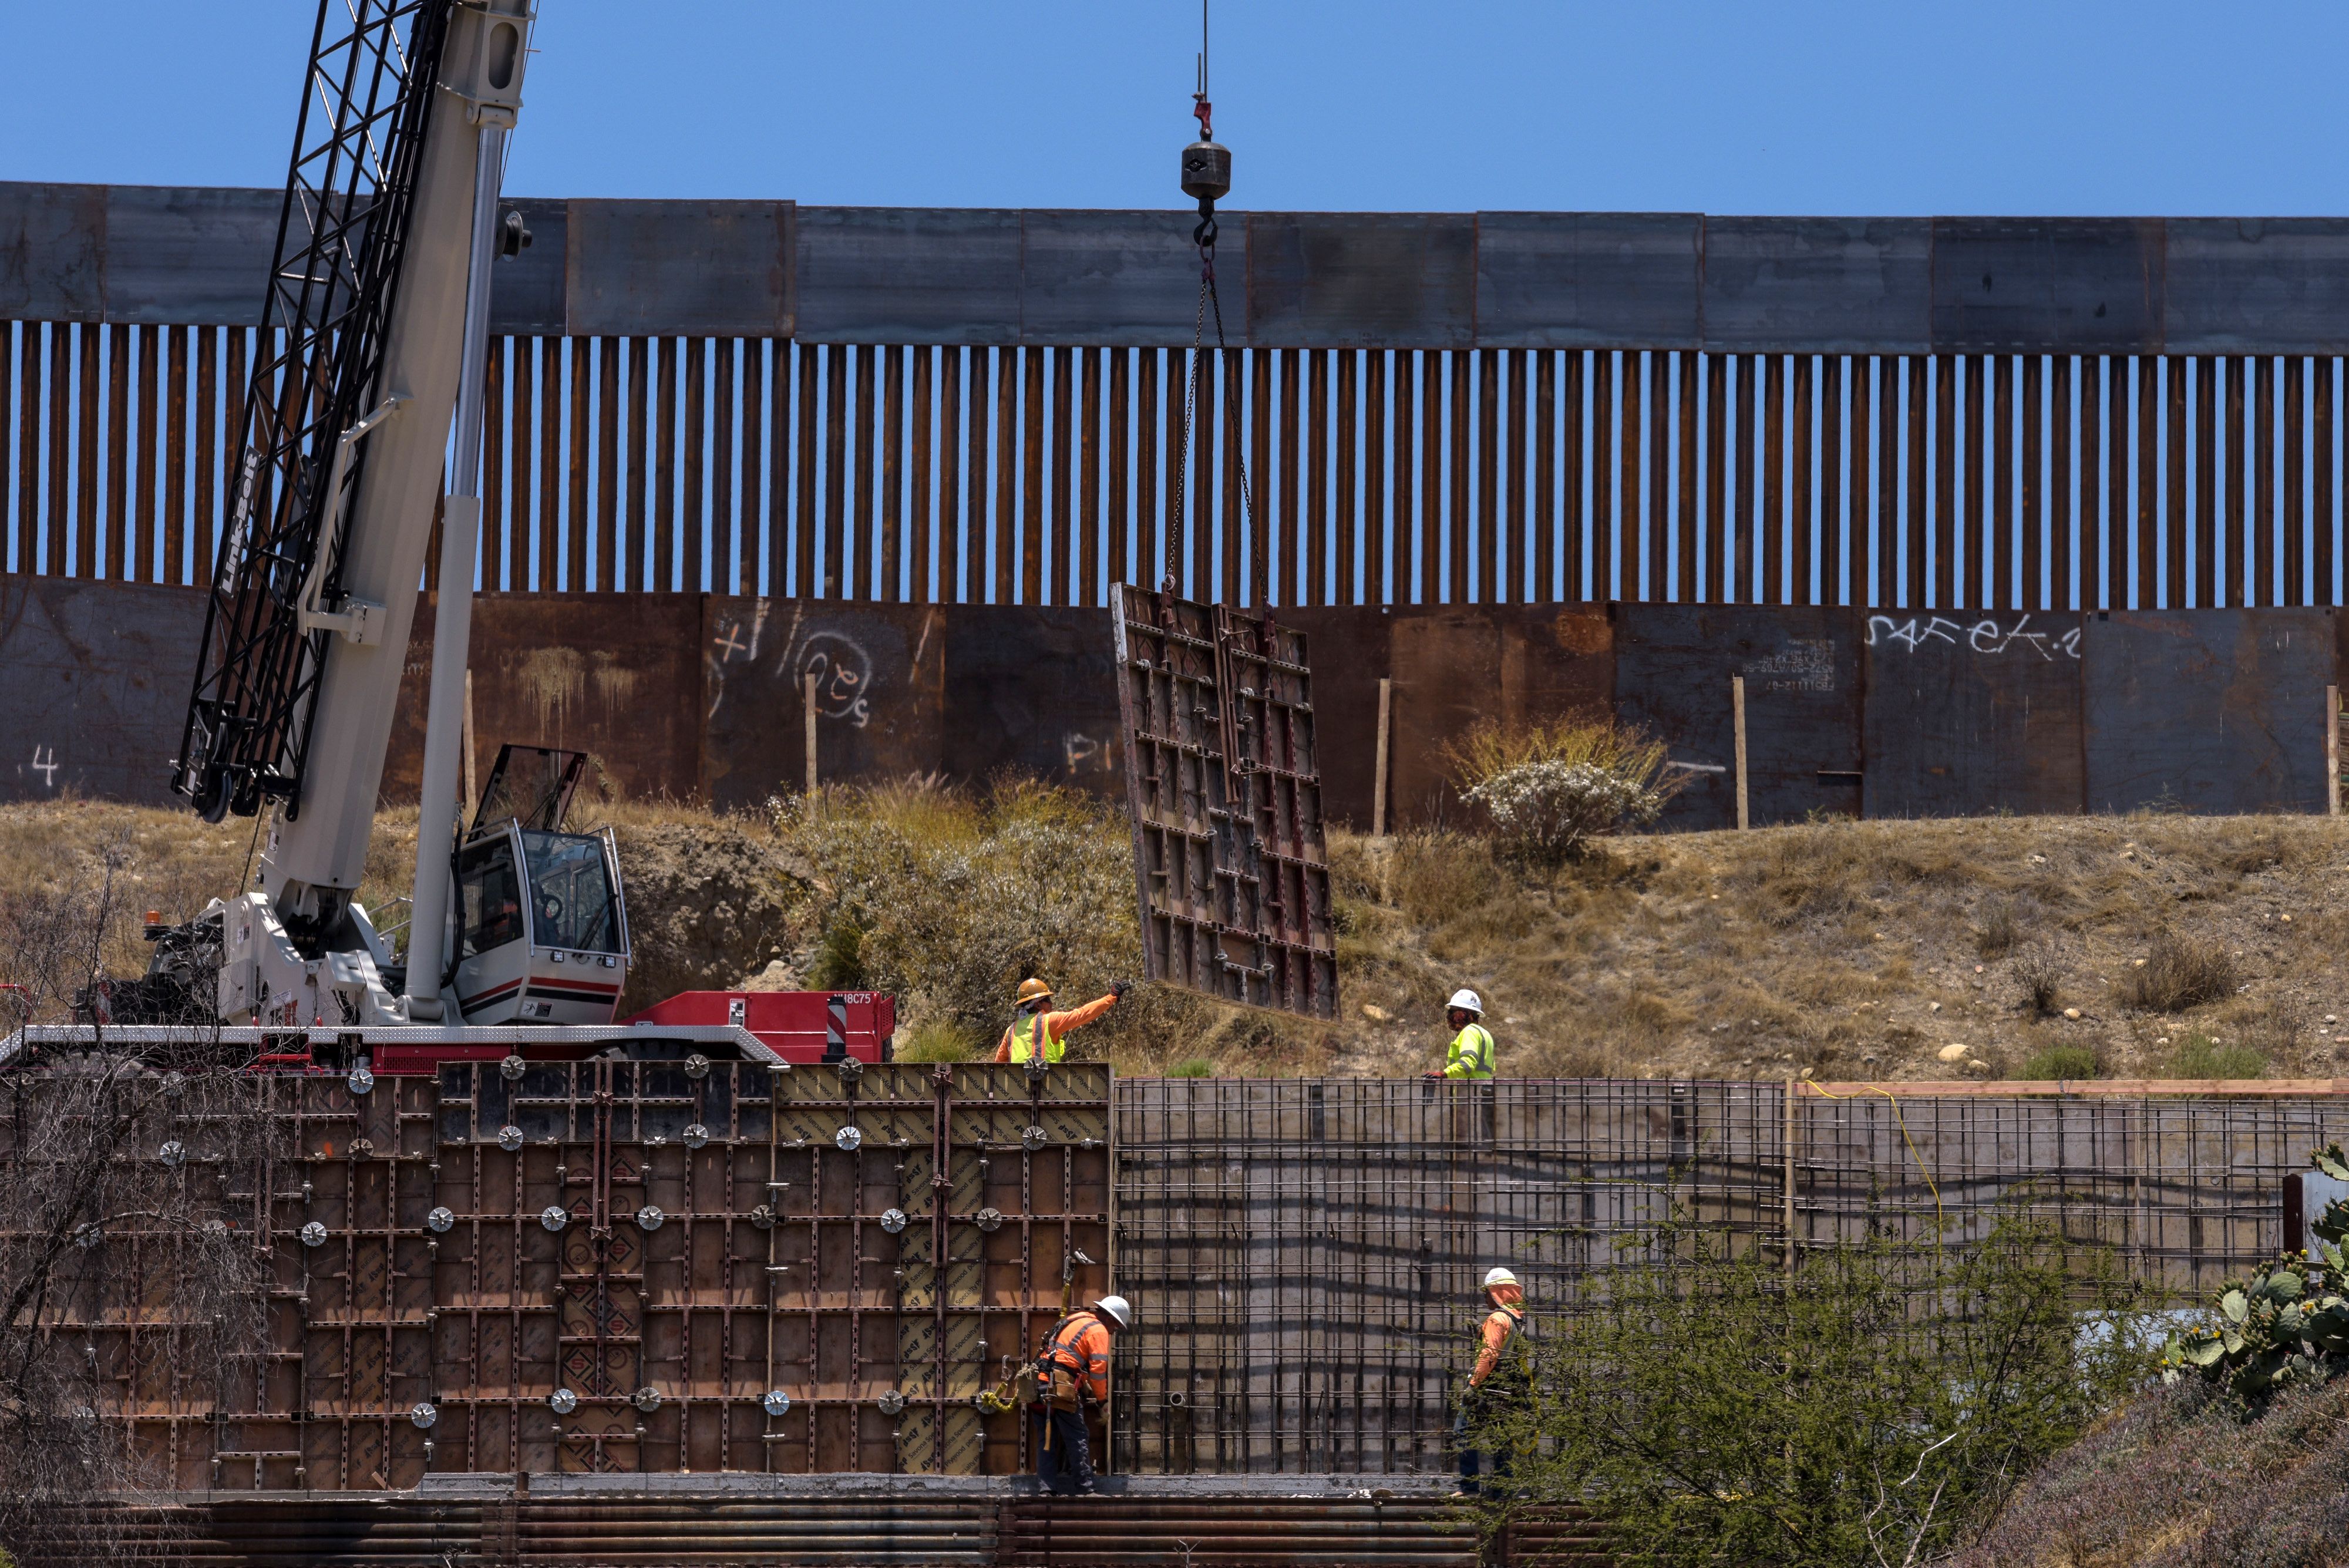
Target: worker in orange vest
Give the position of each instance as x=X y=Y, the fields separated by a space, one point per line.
x=1036 y=1035
x=1502 y=1381
x=1072 y=1373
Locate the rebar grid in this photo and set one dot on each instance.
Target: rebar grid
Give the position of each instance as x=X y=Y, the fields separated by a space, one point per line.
x=1307 y=1255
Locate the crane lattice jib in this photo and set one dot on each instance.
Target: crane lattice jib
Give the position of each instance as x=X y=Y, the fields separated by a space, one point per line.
x=341 y=236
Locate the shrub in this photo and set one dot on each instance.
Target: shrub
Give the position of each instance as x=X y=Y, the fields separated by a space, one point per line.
x=949 y=898
x=1192 y=1067
x=2199 y=1056
x=2038 y=974
x=1870 y=1408
x=936 y=1040
x=1548 y=790
x=2178 y=972
x=2060 y=1062
x=1998 y=930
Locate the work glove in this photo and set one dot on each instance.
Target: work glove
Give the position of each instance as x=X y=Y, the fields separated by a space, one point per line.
x=1118 y=988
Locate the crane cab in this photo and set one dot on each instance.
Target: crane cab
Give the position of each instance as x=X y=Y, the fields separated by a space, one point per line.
x=542 y=927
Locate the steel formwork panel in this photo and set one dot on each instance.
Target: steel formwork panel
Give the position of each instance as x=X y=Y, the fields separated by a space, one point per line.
x=1231 y=872
x=774 y=1258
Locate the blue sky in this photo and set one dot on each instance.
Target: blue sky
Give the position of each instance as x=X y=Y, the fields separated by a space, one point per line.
x=1884 y=107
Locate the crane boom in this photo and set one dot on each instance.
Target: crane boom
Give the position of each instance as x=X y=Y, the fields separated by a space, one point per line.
x=347 y=430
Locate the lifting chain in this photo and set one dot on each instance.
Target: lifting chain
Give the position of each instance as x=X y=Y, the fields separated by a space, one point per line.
x=1207 y=174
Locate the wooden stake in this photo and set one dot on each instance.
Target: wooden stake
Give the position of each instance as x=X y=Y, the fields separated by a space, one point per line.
x=2332 y=751
x=810 y=731
x=472 y=781
x=1379 y=778
x=1737 y=707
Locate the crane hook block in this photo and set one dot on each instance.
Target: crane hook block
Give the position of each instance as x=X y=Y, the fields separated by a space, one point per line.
x=1206 y=169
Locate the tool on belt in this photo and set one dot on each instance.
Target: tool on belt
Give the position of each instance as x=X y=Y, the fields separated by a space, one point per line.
x=1038 y=1378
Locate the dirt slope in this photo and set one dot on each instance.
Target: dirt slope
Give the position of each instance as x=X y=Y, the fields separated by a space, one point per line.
x=1846 y=949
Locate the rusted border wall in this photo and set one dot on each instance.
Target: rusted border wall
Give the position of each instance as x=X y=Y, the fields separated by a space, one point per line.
x=700 y=697
x=1331 y=280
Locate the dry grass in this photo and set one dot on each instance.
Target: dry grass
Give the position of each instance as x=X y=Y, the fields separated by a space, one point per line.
x=1848 y=948
x=2178 y=972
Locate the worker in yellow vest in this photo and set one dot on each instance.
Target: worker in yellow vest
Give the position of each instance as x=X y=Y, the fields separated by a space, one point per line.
x=1470 y=1054
x=1037 y=1036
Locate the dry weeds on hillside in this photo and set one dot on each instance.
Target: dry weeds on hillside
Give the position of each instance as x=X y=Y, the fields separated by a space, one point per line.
x=1846 y=949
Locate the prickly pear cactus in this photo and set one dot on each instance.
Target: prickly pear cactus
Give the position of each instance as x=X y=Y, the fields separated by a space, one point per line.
x=2288 y=1323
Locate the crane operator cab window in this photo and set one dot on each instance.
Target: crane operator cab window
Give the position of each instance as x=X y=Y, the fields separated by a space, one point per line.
x=557 y=893
x=571 y=903
x=492 y=892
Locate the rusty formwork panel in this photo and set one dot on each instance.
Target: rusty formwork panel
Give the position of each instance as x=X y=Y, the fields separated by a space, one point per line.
x=1230 y=869
x=332 y=1194
x=667 y=1243
x=672 y=1243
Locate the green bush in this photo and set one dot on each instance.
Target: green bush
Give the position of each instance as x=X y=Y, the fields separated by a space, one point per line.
x=1192 y=1067
x=936 y=1040
x=2202 y=1057
x=2060 y=1062
x=949 y=898
x=1871 y=1407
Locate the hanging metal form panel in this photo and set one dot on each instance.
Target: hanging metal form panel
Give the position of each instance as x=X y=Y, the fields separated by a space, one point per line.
x=1231 y=872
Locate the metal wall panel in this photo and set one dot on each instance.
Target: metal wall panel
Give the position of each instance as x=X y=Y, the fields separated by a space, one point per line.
x=1344 y=280
x=97 y=679
x=680 y=268
x=53 y=251
x=1455 y=666
x=198 y=255
x=2036 y=285
x=1968 y=714
x=529 y=294
x=619 y=679
x=2208 y=711
x=1590 y=280
x=880 y=673
x=880 y=274
x=1033 y=691
x=187 y=254
x=1837 y=285
x=1803 y=675
x=671 y=1243
x=2247 y=285
x=1124 y=279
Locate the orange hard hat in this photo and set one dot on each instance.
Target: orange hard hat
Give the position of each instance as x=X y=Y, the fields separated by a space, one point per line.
x=1034 y=990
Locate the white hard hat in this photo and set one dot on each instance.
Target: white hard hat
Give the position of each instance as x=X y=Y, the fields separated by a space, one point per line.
x=1467 y=999
x=1117 y=1308
x=1498 y=1277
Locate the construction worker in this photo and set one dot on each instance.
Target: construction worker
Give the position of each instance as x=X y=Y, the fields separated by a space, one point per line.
x=1501 y=1383
x=1470 y=1054
x=1073 y=1376
x=1036 y=1035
